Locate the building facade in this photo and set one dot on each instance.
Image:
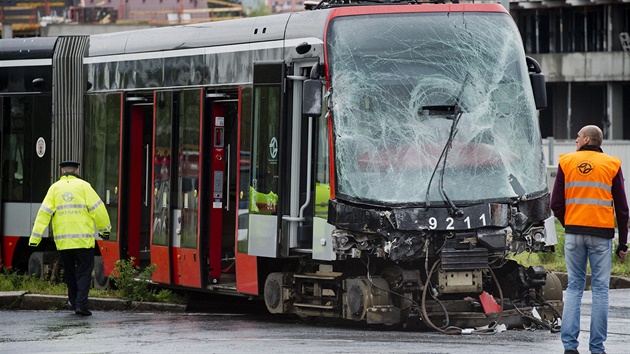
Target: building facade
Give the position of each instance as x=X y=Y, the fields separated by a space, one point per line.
x=28 y=18
x=167 y=12
x=583 y=47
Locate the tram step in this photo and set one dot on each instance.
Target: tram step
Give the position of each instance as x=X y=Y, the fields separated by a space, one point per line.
x=312 y=306
x=315 y=276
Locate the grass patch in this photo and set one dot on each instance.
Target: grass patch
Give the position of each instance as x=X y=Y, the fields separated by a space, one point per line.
x=12 y=281
x=130 y=283
x=554 y=261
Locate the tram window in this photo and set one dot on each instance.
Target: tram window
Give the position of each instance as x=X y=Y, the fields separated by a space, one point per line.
x=322 y=173
x=188 y=169
x=102 y=151
x=266 y=134
x=17 y=113
x=245 y=163
x=162 y=165
x=12 y=174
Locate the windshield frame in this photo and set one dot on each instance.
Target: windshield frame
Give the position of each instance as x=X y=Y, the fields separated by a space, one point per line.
x=458 y=92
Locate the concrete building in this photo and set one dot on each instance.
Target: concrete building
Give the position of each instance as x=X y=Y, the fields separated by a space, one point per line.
x=583 y=47
x=280 y=6
x=167 y=12
x=31 y=18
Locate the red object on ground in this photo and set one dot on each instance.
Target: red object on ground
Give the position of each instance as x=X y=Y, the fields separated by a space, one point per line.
x=488 y=303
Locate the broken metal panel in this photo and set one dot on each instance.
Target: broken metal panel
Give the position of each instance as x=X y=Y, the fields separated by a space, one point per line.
x=372 y=220
x=476 y=258
x=460 y=282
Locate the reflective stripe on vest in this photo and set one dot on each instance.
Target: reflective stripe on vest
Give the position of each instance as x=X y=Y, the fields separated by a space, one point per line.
x=586 y=201
x=96 y=205
x=64 y=237
x=71 y=206
x=45 y=209
x=589 y=184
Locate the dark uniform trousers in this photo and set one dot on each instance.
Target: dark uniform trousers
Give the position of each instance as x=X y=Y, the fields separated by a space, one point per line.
x=78 y=265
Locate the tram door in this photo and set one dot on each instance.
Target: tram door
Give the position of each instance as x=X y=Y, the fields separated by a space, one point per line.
x=214 y=125
x=160 y=186
x=219 y=185
x=193 y=193
x=281 y=197
x=176 y=195
x=186 y=194
x=136 y=178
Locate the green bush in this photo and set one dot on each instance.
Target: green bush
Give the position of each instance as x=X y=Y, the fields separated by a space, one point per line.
x=133 y=284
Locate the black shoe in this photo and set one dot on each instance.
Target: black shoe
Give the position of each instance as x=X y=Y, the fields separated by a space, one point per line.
x=70 y=306
x=83 y=312
x=571 y=351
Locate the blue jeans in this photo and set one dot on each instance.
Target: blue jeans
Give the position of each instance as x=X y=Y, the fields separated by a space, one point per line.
x=598 y=251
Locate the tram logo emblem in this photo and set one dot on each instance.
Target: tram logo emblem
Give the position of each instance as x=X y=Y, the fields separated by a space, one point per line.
x=41 y=147
x=273 y=147
x=585 y=167
x=67 y=196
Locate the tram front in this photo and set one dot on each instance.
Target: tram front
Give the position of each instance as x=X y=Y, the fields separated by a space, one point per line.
x=436 y=174
x=438 y=166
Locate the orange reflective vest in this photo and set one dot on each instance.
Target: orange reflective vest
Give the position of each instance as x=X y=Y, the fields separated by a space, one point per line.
x=76 y=212
x=588 y=178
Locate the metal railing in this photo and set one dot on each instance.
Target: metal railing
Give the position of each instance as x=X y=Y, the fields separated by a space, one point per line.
x=552 y=149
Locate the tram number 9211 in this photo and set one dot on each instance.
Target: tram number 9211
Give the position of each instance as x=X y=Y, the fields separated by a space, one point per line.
x=444 y=219
x=454 y=224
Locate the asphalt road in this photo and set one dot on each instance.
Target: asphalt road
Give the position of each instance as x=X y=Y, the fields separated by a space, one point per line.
x=242 y=330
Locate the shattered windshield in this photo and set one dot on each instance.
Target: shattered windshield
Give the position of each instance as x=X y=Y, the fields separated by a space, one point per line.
x=398 y=81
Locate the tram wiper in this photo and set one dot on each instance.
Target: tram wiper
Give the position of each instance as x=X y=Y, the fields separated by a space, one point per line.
x=516 y=185
x=456 y=113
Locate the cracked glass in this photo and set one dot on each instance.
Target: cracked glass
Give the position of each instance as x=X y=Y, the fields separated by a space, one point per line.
x=397 y=83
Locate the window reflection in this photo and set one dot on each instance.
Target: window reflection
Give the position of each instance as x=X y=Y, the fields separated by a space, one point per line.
x=102 y=151
x=264 y=187
x=162 y=169
x=16 y=113
x=188 y=167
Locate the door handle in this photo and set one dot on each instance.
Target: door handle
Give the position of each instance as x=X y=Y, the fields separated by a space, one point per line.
x=227 y=179
x=146 y=177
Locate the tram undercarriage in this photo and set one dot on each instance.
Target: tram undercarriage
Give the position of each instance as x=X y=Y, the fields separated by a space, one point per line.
x=448 y=301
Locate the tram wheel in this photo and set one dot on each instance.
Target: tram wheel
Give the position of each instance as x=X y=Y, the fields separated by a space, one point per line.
x=36 y=264
x=552 y=290
x=99 y=280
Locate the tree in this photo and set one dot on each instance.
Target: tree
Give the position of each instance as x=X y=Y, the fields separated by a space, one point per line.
x=259 y=8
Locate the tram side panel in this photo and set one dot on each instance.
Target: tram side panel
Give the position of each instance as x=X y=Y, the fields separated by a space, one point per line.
x=26 y=109
x=278 y=206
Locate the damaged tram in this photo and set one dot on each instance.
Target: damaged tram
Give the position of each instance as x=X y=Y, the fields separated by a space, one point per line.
x=370 y=163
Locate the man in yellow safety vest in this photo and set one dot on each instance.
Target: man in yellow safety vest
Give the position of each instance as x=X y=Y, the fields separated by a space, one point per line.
x=74 y=208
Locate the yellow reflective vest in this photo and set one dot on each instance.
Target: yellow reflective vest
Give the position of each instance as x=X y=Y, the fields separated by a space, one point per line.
x=74 y=208
x=588 y=177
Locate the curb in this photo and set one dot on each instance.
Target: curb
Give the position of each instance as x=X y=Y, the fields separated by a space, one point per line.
x=615 y=282
x=24 y=301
